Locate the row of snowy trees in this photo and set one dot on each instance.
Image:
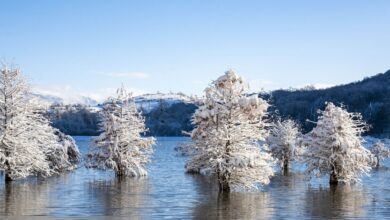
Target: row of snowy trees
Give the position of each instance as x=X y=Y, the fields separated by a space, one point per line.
x=234 y=140
x=29 y=145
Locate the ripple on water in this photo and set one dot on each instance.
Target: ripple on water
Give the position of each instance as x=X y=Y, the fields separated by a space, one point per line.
x=169 y=192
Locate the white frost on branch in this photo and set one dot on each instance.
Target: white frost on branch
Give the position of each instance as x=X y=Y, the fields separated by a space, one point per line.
x=28 y=144
x=283 y=142
x=228 y=128
x=121 y=147
x=335 y=146
x=61 y=150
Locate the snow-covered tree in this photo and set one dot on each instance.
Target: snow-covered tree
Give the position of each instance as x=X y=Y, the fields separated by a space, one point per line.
x=121 y=147
x=228 y=128
x=283 y=142
x=335 y=146
x=61 y=150
x=70 y=146
x=380 y=151
x=28 y=144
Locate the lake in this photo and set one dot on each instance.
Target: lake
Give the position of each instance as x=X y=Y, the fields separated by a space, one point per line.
x=168 y=192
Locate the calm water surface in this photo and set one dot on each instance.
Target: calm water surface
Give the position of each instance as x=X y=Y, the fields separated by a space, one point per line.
x=170 y=193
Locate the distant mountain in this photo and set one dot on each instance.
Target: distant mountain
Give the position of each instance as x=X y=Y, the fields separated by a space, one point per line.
x=75 y=119
x=170 y=114
x=170 y=120
x=47 y=99
x=148 y=102
x=370 y=97
x=50 y=99
x=165 y=114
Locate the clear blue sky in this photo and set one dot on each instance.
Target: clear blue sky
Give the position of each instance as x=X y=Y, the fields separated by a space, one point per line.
x=92 y=46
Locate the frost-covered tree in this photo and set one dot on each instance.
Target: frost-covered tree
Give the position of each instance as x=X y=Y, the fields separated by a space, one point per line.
x=121 y=147
x=380 y=151
x=61 y=150
x=335 y=146
x=28 y=143
x=70 y=146
x=283 y=142
x=228 y=128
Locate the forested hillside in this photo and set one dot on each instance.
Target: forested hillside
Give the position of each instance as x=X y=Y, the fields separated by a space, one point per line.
x=74 y=119
x=370 y=97
x=171 y=120
x=165 y=117
x=169 y=117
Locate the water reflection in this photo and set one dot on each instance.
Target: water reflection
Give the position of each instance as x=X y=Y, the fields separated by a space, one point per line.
x=120 y=196
x=24 y=198
x=215 y=205
x=287 y=190
x=336 y=202
x=170 y=193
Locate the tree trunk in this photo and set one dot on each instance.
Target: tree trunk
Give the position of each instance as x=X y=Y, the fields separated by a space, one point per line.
x=223 y=183
x=285 y=167
x=222 y=177
x=120 y=178
x=333 y=179
x=119 y=173
x=377 y=162
x=7 y=178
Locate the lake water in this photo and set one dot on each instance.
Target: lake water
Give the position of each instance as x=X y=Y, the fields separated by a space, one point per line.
x=170 y=193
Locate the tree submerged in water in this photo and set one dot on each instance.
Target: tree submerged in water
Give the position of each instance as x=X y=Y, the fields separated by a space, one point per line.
x=121 y=147
x=380 y=151
x=29 y=146
x=60 y=149
x=283 y=142
x=335 y=146
x=228 y=128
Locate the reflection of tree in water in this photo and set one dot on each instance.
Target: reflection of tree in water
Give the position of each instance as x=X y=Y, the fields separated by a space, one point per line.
x=288 y=180
x=120 y=196
x=287 y=191
x=336 y=202
x=234 y=205
x=26 y=197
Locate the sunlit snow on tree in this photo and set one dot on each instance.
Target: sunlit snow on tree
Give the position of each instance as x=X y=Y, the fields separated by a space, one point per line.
x=229 y=125
x=28 y=144
x=283 y=142
x=60 y=149
x=121 y=147
x=335 y=146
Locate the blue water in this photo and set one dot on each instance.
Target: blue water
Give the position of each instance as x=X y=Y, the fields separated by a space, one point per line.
x=170 y=193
